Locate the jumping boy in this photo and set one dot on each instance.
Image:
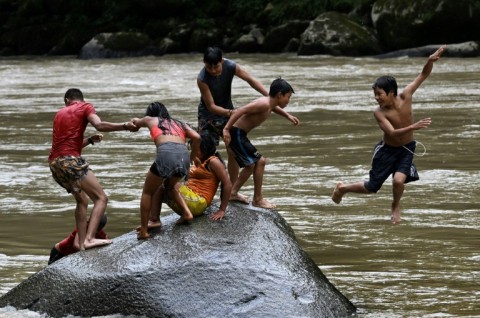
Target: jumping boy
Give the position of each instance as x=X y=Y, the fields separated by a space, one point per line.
x=242 y=121
x=394 y=154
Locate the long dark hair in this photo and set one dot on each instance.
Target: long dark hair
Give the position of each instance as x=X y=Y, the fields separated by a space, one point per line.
x=157 y=109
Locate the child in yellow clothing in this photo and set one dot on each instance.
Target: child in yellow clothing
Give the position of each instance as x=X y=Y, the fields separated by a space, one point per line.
x=198 y=192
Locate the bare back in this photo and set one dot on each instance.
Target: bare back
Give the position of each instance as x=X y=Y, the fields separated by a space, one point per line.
x=254 y=114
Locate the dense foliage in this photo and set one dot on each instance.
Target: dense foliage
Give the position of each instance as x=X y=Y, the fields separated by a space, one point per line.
x=61 y=27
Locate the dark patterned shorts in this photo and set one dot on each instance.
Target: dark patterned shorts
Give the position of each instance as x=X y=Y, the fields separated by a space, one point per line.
x=69 y=171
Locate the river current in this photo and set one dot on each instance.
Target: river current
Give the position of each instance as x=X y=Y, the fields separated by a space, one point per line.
x=428 y=266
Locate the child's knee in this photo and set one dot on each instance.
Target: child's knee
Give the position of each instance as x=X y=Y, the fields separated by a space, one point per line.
x=262 y=161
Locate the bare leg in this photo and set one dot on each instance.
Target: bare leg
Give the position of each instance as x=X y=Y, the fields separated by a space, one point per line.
x=232 y=166
x=152 y=182
x=341 y=189
x=233 y=170
x=93 y=189
x=154 y=215
x=258 y=172
x=398 y=188
x=185 y=214
x=242 y=178
x=81 y=217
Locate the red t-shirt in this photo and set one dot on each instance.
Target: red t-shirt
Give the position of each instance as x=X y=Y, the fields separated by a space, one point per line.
x=66 y=246
x=69 y=125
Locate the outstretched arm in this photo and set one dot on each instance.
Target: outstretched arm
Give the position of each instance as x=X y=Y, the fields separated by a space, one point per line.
x=103 y=126
x=280 y=111
x=427 y=69
x=252 y=81
x=218 y=169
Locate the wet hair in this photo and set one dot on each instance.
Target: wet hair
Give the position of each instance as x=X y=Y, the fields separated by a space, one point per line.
x=213 y=55
x=207 y=145
x=73 y=94
x=280 y=85
x=157 y=109
x=387 y=83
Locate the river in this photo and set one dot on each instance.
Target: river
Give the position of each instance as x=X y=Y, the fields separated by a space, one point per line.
x=428 y=266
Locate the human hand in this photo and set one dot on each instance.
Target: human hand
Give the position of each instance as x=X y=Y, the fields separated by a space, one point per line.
x=422 y=123
x=96 y=138
x=217 y=216
x=294 y=120
x=226 y=136
x=435 y=56
x=130 y=126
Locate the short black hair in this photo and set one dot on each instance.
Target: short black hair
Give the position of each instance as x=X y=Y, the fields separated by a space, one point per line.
x=73 y=94
x=280 y=85
x=213 y=55
x=387 y=83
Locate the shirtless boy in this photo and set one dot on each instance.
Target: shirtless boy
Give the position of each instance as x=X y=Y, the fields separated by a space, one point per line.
x=215 y=84
x=394 y=153
x=242 y=121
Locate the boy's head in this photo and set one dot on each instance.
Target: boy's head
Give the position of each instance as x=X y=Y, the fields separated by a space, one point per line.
x=157 y=109
x=280 y=85
x=213 y=59
x=72 y=94
x=387 y=83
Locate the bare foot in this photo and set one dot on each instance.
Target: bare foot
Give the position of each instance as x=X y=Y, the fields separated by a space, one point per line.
x=96 y=242
x=395 y=218
x=263 y=203
x=142 y=235
x=239 y=197
x=337 y=195
x=151 y=225
x=185 y=218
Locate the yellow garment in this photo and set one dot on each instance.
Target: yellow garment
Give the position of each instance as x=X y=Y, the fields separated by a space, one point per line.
x=199 y=191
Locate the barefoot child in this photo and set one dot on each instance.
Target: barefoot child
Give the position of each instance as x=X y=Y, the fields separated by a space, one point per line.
x=242 y=121
x=394 y=154
x=71 y=171
x=172 y=162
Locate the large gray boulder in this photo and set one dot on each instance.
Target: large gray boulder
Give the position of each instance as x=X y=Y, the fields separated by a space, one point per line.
x=337 y=34
x=248 y=265
x=118 y=45
x=403 y=24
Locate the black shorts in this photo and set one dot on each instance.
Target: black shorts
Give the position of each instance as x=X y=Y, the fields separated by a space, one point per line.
x=387 y=160
x=245 y=153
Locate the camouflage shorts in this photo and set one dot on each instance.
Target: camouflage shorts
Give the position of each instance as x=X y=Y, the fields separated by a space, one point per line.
x=69 y=171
